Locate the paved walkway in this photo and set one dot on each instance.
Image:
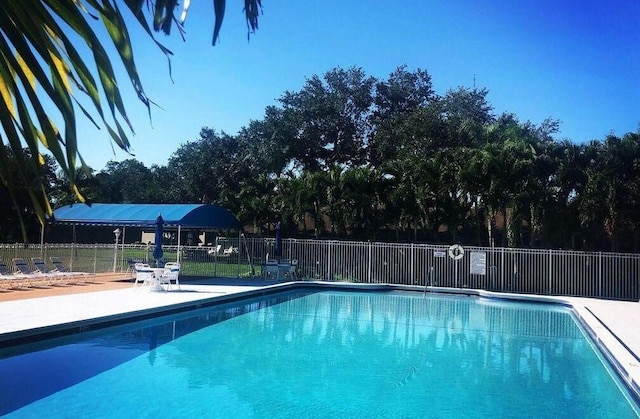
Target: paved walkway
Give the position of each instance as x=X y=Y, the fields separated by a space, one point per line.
x=614 y=324
x=22 y=317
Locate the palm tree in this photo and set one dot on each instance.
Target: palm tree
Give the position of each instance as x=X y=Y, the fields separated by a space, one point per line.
x=610 y=201
x=306 y=195
x=405 y=195
x=362 y=195
x=496 y=175
x=41 y=63
x=569 y=183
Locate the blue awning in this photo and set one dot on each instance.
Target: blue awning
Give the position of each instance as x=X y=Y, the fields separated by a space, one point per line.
x=185 y=215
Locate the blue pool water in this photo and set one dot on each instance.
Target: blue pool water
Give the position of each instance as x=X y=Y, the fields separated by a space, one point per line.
x=323 y=354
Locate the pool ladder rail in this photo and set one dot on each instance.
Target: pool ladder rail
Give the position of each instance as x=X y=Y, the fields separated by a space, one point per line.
x=430 y=281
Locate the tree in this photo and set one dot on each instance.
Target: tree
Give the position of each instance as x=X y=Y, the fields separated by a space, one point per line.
x=406 y=196
x=87 y=184
x=539 y=193
x=301 y=199
x=128 y=181
x=255 y=203
x=41 y=62
x=468 y=113
x=207 y=168
x=401 y=102
x=610 y=200
x=569 y=182
x=266 y=146
x=361 y=194
x=17 y=218
x=496 y=173
x=330 y=118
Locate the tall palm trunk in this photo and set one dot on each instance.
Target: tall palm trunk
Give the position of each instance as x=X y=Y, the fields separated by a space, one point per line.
x=491 y=220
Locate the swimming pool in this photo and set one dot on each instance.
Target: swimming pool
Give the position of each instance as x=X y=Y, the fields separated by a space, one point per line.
x=323 y=354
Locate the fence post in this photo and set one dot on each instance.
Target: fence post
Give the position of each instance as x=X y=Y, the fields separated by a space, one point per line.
x=550 y=271
x=600 y=274
x=413 y=277
x=73 y=256
x=329 y=276
x=502 y=269
x=369 y=265
x=215 y=265
x=95 y=257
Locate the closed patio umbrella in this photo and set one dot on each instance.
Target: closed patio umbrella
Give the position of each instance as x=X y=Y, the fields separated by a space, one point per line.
x=157 y=250
x=278 y=248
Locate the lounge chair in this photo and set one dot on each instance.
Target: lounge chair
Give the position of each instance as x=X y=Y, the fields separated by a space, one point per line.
x=215 y=250
x=24 y=271
x=4 y=269
x=60 y=267
x=4 y=272
x=229 y=251
x=171 y=273
x=43 y=269
x=9 y=278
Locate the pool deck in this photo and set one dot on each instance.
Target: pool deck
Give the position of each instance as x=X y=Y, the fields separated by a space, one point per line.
x=615 y=324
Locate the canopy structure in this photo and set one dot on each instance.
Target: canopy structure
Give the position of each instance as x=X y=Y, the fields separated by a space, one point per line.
x=198 y=216
x=139 y=215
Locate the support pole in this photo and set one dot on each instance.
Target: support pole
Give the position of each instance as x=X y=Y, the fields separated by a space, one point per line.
x=124 y=231
x=116 y=233
x=42 y=240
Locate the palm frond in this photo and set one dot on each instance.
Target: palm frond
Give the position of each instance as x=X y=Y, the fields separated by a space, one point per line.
x=42 y=71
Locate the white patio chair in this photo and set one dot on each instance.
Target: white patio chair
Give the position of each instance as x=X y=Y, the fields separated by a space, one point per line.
x=144 y=275
x=271 y=269
x=293 y=269
x=171 y=273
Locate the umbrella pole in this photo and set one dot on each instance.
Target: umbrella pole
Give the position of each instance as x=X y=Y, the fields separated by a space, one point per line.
x=179 y=252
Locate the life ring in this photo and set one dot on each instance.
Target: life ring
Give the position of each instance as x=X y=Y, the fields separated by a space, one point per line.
x=456 y=252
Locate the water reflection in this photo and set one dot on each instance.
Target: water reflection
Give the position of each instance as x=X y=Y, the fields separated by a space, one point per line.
x=333 y=343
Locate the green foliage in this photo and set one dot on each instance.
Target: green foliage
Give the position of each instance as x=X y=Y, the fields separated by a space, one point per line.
x=330 y=119
x=17 y=216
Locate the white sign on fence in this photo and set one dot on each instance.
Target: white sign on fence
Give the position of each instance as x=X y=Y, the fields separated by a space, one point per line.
x=439 y=254
x=478 y=263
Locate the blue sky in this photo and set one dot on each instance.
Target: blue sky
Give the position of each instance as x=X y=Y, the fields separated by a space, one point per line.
x=575 y=61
